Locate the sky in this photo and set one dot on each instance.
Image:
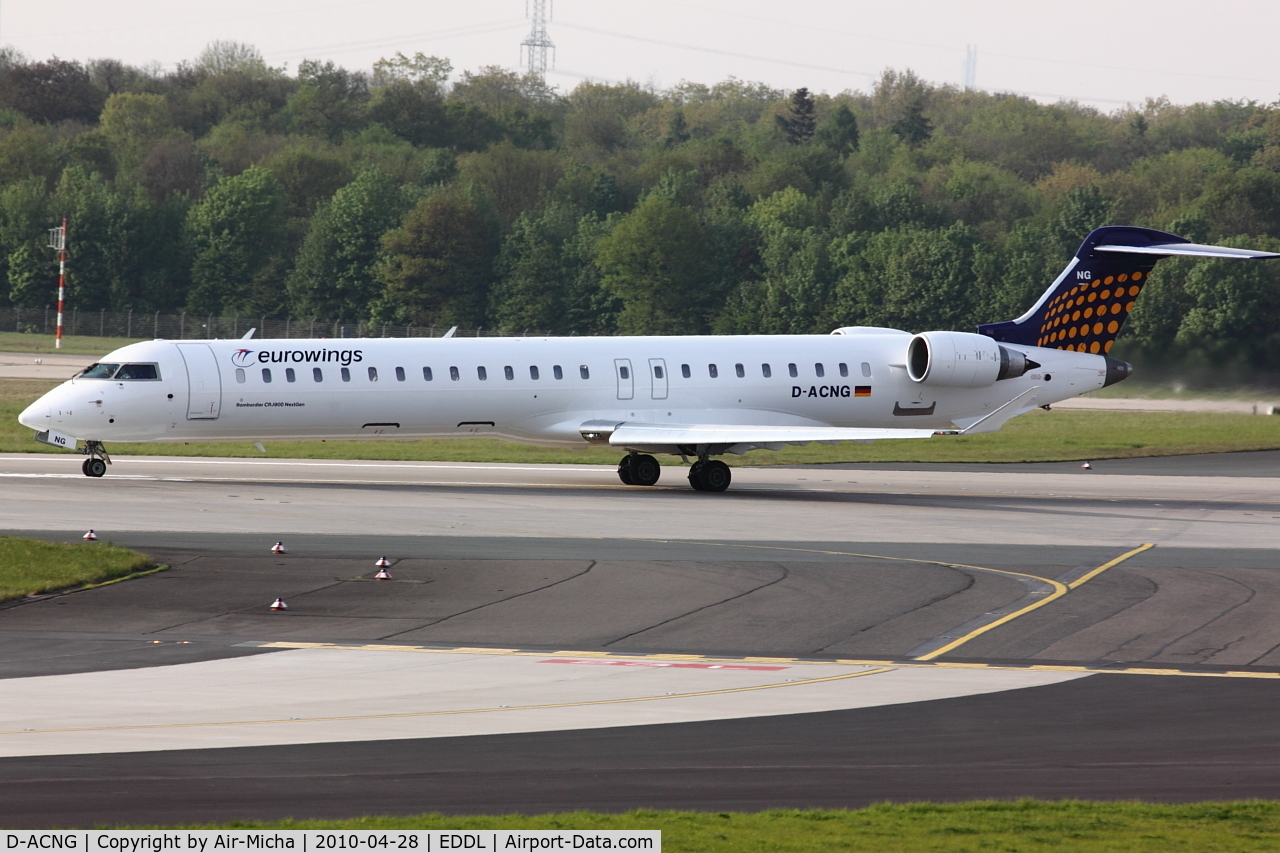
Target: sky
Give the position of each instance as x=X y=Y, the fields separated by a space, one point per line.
x=1105 y=54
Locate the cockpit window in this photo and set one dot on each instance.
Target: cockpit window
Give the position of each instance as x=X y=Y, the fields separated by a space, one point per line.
x=138 y=371
x=100 y=371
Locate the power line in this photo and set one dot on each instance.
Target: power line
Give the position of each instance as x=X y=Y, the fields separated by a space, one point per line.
x=826 y=68
x=349 y=47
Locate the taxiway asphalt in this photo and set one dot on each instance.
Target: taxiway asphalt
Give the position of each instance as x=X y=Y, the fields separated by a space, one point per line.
x=553 y=640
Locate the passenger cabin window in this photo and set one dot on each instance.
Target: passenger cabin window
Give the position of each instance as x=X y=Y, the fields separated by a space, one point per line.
x=866 y=369
x=289 y=375
x=426 y=374
x=766 y=370
x=317 y=374
x=509 y=372
x=533 y=371
x=346 y=374
x=138 y=371
x=820 y=370
x=713 y=370
x=624 y=371
x=399 y=374
x=557 y=372
x=684 y=371
x=482 y=374
x=266 y=374
x=657 y=371
x=373 y=374
x=100 y=371
x=844 y=369
x=584 y=372
x=740 y=370
x=791 y=368
x=454 y=374
x=240 y=375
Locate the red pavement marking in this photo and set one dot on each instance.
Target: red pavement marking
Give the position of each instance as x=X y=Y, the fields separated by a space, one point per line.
x=666 y=664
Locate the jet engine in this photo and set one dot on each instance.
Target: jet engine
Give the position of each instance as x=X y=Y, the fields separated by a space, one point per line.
x=962 y=360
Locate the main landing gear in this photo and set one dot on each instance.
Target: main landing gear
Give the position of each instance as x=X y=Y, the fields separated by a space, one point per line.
x=639 y=470
x=710 y=475
x=706 y=475
x=96 y=464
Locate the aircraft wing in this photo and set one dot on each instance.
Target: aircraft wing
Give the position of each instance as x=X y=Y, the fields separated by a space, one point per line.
x=632 y=434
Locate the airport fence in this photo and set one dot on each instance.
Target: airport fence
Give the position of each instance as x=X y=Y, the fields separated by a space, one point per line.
x=184 y=326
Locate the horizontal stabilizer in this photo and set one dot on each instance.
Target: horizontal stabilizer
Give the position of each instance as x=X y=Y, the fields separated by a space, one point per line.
x=630 y=435
x=1194 y=250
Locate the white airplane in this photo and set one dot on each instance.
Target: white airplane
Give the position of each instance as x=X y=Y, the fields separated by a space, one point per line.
x=694 y=397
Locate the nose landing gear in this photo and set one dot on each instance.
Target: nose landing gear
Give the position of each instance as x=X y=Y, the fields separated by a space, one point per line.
x=96 y=464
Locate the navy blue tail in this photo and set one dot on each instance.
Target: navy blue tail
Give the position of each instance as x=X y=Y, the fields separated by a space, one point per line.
x=1086 y=307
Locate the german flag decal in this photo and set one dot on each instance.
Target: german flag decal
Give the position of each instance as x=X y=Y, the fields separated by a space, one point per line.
x=862 y=390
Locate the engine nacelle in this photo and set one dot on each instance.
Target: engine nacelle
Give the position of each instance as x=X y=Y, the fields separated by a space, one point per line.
x=962 y=360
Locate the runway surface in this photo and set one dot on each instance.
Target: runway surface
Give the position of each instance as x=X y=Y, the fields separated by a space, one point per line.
x=551 y=639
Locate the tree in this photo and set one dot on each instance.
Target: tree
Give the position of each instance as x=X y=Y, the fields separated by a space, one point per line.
x=546 y=280
x=839 y=131
x=414 y=113
x=134 y=124
x=51 y=92
x=438 y=265
x=900 y=101
x=800 y=122
x=236 y=235
x=308 y=179
x=330 y=100
x=421 y=71
x=654 y=263
x=334 y=277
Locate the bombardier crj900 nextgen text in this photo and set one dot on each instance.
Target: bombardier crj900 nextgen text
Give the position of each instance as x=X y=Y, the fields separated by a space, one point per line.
x=696 y=397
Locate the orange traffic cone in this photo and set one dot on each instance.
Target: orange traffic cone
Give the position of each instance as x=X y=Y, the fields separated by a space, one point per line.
x=278 y=548
x=279 y=604
x=90 y=537
x=1086 y=466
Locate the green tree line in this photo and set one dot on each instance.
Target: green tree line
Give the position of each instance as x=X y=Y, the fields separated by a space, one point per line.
x=407 y=195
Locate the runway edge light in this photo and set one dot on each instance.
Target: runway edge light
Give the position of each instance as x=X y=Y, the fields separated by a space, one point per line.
x=90 y=537
x=278 y=548
x=382 y=575
x=279 y=604
x=1086 y=466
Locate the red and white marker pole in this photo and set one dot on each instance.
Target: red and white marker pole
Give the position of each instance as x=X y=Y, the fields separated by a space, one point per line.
x=58 y=240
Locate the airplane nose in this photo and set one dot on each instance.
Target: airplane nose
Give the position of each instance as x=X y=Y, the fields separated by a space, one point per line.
x=38 y=415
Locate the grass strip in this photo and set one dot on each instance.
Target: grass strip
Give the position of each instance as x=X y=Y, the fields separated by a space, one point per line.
x=1026 y=826
x=1039 y=436
x=71 y=344
x=31 y=567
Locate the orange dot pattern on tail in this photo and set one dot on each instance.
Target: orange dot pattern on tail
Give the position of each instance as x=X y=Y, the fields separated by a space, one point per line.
x=1087 y=317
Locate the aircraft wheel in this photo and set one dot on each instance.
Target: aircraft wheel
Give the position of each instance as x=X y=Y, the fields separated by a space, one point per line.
x=624 y=470
x=84 y=467
x=645 y=470
x=95 y=467
x=695 y=476
x=715 y=476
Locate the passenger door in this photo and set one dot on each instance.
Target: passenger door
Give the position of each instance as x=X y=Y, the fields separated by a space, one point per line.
x=204 y=382
x=626 y=379
x=658 y=376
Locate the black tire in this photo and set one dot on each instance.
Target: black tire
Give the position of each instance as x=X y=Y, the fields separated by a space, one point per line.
x=624 y=470
x=645 y=470
x=95 y=467
x=715 y=476
x=695 y=476
x=84 y=468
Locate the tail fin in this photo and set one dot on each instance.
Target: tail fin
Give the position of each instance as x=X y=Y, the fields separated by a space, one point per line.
x=1084 y=309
